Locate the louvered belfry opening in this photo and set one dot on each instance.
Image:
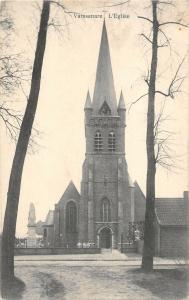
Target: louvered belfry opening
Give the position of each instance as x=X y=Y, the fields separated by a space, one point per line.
x=111 y=142
x=98 y=143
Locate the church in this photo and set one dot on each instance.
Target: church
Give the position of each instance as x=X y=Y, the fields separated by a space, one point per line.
x=101 y=212
x=108 y=201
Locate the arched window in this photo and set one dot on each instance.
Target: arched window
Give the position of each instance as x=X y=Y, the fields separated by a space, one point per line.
x=105 y=210
x=111 y=142
x=71 y=217
x=98 y=142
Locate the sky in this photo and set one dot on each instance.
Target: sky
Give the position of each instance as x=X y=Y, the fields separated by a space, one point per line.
x=69 y=70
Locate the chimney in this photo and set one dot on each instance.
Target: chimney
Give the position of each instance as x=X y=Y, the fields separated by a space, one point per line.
x=185 y=195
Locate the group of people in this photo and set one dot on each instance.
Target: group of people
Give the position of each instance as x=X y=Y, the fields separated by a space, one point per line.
x=88 y=244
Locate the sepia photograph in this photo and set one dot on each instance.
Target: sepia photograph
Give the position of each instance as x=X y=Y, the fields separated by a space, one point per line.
x=94 y=149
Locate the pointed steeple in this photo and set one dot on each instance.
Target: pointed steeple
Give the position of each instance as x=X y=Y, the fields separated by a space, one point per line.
x=121 y=104
x=88 y=102
x=104 y=90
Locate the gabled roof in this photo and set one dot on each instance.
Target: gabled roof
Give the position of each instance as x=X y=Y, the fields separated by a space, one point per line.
x=172 y=211
x=71 y=192
x=137 y=186
x=49 y=218
x=104 y=86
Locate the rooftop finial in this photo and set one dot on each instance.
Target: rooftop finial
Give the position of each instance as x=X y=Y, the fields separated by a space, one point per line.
x=121 y=104
x=88 y=101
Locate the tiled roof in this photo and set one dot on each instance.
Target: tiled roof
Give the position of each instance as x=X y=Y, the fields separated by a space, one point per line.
x=172 y=211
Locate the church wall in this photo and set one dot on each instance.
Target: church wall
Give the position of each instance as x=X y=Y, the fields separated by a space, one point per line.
x=121 y=139
x=56 y=227
x=110 y=191
x=50 y=236
x=105 y=165
x=102 y=172
x=83 y=213
x=59 y=226
x=62 y=225
x=63 y=238
x=125 y=198
x=139 y=204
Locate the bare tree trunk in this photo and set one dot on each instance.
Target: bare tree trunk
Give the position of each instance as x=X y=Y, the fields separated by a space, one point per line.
x=149 y=232
x=9 y=227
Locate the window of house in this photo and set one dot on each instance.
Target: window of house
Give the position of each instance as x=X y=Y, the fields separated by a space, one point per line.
x=71 y=217
x=98 y=146
x=105 y=210
x=111 y=142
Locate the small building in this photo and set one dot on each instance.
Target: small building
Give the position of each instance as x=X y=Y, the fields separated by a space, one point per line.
x=171 y=236
x=48 y=229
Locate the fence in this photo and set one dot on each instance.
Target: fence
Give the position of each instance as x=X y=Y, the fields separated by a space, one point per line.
x=55 y=251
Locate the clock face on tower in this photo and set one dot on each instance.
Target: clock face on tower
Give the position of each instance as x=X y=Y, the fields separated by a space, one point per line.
x=105 y=110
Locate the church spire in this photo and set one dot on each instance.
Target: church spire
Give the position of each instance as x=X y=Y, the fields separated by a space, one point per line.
x=104 y=90
x=121 y=104
x=88 y=101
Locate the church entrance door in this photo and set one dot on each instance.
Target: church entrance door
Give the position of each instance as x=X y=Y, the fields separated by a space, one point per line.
x=106 y=238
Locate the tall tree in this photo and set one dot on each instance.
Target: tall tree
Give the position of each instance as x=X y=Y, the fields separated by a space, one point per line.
x=149 y=234
x=151 y=137
x=9 y=227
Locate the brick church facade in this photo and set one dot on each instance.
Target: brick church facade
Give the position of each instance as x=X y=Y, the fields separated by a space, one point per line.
x=102 y=211
x=108 y=201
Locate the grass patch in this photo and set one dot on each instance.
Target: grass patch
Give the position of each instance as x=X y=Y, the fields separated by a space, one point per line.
x=50 y=286
x=164 y=283
x=12 y=289
x=178 y=274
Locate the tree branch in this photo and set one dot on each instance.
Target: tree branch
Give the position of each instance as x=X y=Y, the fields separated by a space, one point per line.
x=166 y=2
x=144 y=18
x=166 y=38
x=134 y=102
x=62 y=6
x=142 y=34
x=172 y=22
x=172 y=89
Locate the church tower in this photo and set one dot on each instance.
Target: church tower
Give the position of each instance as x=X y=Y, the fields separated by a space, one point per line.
x=106 y=204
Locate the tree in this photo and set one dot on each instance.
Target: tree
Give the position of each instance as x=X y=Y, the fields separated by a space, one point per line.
x=14 y=71
x=149 y=235
x=9 y=226
x=152 y=140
